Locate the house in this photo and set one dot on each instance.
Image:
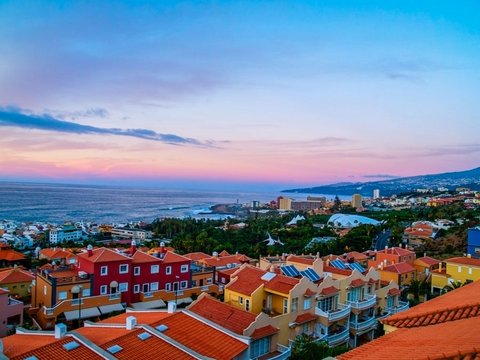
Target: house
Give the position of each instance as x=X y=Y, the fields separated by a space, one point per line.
x=419 y=232
x=11 y=312
x=17 y=281
x=424 y=267
x=402 y=273
x=473 y=242
x=446 y=327
x=457 y=270
x=58 y=255
x=388 y=256
x=10 y=257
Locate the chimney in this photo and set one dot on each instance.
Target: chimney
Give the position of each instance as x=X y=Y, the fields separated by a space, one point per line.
x=172 y=307
x=162 y=250
x=469 y=256
x=424 y=254
x=90 y=250
x=215 y=254
x=60 y=331
x=133 y=248
x=131 y=322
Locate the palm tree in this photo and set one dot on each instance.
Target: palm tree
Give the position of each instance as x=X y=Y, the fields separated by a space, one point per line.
x=452 y=286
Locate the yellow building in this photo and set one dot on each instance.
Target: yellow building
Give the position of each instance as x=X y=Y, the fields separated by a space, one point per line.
x=459 y=270
x=285 y=204
x=356 y=201
x=17 y=281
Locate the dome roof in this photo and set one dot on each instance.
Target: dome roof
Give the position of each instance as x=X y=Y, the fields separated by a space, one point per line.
x=350 y=221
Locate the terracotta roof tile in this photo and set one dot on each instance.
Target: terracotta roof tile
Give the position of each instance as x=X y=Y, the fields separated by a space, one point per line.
x=397 y=251
x=171 y=257
x=334 y=270
x=307 y=260
x=197 y=256
x=56 y=253
x=222 y=314
x=400 y=268
x=281 y=283
x=141 y=258
x=247 y=280
x=201 y=337
x=357 y=282
x=143 y=317
x=15 y=275
x=304 y=318
x=329 y=291
x=448 y=340
x=464 y=261
x=103 y=255
x=11 y=255
x=264 y=332
x=394 y=291
x=440 y=309
x=309 y=292
x=357 y=256
x=428 y=261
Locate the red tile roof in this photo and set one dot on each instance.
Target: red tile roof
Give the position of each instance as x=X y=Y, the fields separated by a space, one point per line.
x=357 y=282
x=225 y=260
x=281 y=283
x=394 y=291
x=101 y=335
x=357 y=256
x=464 y=261
x=309 y=293
x=334 y=270
x=103 y=255
x=143 y=317
x=56 y=253
x=397 y=251
x=171 y=257
x=452 y=340
x=400 y=268
x=21 y=346
x=141 y=258
x=197 y=256
x=301 y=259
x=224 y=253
x=305 y=318
x=262 y=332
x=201 y=337
x=329 y=291
x=11 y=255
x=456 y=304
x=15 y=275
x=428 y=261
x=222 y=314
x=247 y=280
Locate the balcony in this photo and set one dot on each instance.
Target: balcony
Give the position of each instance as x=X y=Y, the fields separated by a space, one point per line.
x=402 y=306
x=336 y=339
x=369 y=301
x=361 y=326
x=282 y=353
x=341 y=312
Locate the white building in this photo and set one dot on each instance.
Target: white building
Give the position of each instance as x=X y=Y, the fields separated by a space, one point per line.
x=131 y=233
x=67 y=233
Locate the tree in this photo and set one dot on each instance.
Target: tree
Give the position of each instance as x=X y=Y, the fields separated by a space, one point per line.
x=452 y=286
x=306 y=347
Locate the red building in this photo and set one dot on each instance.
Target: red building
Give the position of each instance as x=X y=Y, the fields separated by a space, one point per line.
x=114 y=272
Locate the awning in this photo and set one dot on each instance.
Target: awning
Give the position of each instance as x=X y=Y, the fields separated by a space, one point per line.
x=84 y=313
x=106 y=309
x=154 y=304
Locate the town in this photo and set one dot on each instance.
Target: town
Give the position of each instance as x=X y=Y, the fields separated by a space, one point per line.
x=286 y=279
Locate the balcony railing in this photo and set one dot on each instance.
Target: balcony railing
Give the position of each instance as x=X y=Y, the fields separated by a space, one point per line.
x=343 y=310
x=402 y=306
x=363 y=325
x=338 y=338
x=284 y=351
x=12 y=301
x=369 y=301
x=115 y=296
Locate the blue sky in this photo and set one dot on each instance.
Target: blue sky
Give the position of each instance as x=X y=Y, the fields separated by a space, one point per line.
x=272 y=92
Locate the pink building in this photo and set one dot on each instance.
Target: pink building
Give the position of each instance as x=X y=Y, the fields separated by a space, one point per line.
x=11 y=312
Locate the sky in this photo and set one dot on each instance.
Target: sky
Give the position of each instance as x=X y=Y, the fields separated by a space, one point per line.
x=262 y=93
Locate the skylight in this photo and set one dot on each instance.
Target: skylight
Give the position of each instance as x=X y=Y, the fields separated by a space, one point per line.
x=162 y=328
x=114 y=349
x=144 y=336
x=71 y=345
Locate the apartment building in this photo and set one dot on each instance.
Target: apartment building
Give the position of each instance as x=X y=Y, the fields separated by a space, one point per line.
x=11 y=312
x=65 y=233
x=457 y=270
x=17 y=281
x=131 y=233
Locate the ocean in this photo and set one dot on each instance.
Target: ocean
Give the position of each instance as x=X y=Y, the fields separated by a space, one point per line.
x=106 y=204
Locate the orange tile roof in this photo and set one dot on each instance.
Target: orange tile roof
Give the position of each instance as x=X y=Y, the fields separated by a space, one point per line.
x=334 y=270
x=357 y=282
x=151 y=348
x=63 y=273
x=101 y=335
x=394 y=291
x=452 y=340
x=225 y=315
x=304 y=318
x=263 y=332
x=247 y=280
x=45 y=347
x=456 y=304
x=171 y=257
x=282 y=284
x=54 y=253
x=329 y=290
x=197 y=256
x=400 y=268
x=11 y=255
x=141 y=258
x=427 y=260
x=397 y=251
x=301 y=260
x=464 y=261
x=225 y=260
x=224 y=253
x=15 y=275
x=103 y=255
x=201 y=337
x=309 y=293
x=357 y=256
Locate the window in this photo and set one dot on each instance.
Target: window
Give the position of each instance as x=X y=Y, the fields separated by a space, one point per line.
x=154 y=269
x=294 y=305
x=183 y=285
x=353 y=295
x=390 y=302
x=307 y=303
x=247 y=305
x=459 y=269
x=184 y=268
x=260 y=347
x=285 y=306
x=62 y=295
x=168 y=270
x=103 y=289
x=328 y=304
x=470 y=271
x=86 y=292
x=307 y=328
x=168 y=286
x=123 y=287
x=154 y=286
x=240 y=300
x=136 y=289
x=104 y=270
x=44 y=289
x=209 y=280
x=136 y=270
x=123 y=269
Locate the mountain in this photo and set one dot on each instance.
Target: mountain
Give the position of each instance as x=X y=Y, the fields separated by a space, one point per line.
x=451 y=180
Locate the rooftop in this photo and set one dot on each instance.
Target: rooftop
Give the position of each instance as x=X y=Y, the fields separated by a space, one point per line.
x=399 y=268
x=464 y=261
x=103 y=255
x=15 y=275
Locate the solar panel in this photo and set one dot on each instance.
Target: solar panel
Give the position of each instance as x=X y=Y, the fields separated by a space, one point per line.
x=290 y=270
x=356 y=266
x=339 y=264
x=310 y=274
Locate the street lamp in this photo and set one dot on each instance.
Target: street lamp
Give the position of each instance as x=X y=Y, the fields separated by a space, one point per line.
x=76 y=291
